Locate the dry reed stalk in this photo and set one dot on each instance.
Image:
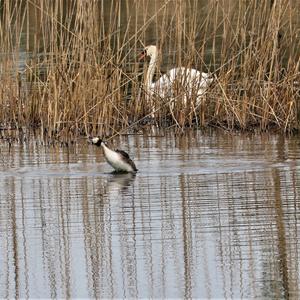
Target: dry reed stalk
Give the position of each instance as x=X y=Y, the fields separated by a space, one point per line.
x=79 y=72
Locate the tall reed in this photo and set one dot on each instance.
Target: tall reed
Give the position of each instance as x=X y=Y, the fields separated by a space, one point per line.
x=71 y=67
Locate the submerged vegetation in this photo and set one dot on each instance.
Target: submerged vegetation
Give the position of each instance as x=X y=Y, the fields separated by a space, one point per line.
x=71 y=67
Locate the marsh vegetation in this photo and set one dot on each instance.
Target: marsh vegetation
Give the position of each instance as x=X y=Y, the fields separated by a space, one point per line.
x=71 y=67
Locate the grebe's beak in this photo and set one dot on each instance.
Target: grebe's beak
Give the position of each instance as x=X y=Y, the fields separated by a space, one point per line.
x=90 y=139
x=142 y=55
x=93 y=140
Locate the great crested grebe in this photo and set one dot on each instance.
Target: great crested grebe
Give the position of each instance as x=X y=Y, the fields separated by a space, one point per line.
x=193 y=81
x=118 y=159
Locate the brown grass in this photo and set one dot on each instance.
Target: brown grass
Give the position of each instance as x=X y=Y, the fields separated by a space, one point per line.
x=71 y=68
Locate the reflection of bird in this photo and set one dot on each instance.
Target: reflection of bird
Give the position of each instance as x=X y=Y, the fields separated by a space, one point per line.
x=119 y=186
x=193 y=81
x=120 y=182
x=118 y=159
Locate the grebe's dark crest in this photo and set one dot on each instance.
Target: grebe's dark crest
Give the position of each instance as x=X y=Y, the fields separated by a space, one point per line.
x=118 y=159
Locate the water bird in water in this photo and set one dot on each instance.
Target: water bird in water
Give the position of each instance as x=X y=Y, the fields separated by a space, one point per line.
x=118 y=159
x=193 y=81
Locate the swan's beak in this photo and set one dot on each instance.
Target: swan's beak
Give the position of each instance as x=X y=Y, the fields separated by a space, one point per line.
x=142 y=55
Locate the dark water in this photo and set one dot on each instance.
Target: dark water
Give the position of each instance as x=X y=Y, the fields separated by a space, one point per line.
x=207 y=216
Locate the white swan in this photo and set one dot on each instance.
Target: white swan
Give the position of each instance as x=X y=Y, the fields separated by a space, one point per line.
x=192 y=81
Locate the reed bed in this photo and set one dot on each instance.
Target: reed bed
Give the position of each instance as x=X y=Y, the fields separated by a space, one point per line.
x=71 y=68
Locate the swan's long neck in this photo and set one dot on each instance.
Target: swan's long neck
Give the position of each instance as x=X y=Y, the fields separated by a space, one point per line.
x=150 y=72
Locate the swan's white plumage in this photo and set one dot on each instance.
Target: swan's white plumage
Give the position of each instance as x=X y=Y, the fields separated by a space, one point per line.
x=192 y=81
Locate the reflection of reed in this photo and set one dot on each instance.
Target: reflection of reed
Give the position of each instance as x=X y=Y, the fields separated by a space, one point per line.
x=124 y=210
x=229 y=234
x=24 y=244
x=93 y=240
x=55 y=222
x=15 y=244
x=241 y=211
x=99 y=239
x=187 y=241
x=281 y=236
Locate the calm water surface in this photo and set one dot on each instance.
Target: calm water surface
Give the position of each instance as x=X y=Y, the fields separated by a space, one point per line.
x=206 y=216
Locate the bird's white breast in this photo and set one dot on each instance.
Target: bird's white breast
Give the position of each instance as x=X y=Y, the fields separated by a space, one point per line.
x=116 y=160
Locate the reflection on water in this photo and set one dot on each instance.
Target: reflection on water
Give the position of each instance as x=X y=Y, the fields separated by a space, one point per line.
x=207 y=216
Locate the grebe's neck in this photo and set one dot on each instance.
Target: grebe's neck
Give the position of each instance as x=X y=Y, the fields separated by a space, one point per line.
x=104 y=147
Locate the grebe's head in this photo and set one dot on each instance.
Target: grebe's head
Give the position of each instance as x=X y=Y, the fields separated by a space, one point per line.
x=96 y=141
x=149 y=51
